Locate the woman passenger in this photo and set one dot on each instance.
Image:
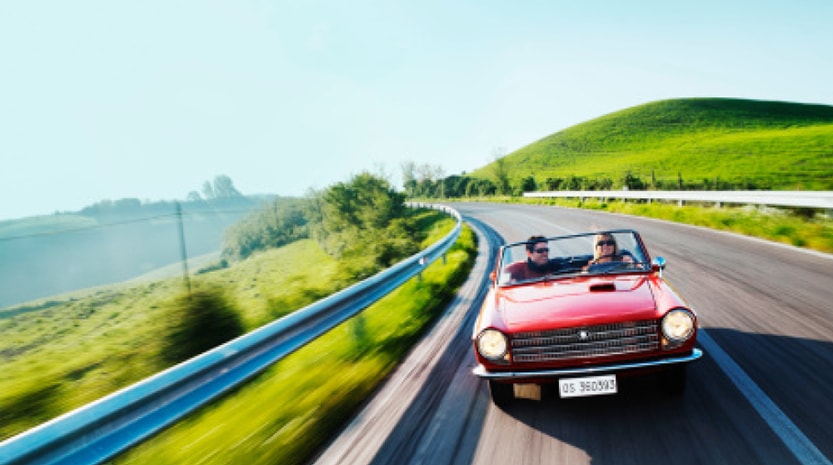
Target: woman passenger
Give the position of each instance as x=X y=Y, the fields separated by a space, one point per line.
x=606 y=250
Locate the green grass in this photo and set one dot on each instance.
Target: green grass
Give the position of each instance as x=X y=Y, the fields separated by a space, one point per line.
x=290 y=411
x=797 y=228
x=772 y=145
x=75 y=350
x=59 y=354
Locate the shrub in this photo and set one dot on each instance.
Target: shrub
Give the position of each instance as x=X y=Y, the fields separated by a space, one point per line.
x=200 y=322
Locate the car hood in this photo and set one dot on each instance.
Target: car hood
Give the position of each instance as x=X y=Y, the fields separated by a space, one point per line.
x=576 y=302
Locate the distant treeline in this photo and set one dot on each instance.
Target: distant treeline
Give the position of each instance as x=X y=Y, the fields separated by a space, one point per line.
x=219 y=195
x=113 y=241
x=461 y=186
x=364 y=221
x=82 y=252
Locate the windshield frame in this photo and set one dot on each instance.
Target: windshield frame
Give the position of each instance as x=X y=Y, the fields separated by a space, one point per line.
x=569 y=256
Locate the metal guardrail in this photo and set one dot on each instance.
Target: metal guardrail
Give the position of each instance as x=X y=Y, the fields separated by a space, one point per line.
x=100 y=430
x=796 y=199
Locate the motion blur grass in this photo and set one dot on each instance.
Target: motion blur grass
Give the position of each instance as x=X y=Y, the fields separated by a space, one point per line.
x=61 y=354
x=287 y=413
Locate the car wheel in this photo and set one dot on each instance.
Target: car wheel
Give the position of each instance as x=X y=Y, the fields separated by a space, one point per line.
x=502 y=393
x=673 y=380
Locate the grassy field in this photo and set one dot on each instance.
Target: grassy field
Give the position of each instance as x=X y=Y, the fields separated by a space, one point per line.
x=756 y=144
x=291 y=410
x=703 y=143
x=62 y=353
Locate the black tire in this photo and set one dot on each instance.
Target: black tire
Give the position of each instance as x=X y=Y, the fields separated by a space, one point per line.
x=673 y=380
x=502 y=393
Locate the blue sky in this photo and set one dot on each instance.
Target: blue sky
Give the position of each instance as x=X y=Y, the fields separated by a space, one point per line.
x=103 y=99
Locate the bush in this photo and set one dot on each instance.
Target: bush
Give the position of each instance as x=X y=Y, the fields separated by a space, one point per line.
x=200 y=322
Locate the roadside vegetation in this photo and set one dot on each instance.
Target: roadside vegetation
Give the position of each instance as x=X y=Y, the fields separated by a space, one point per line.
x=291 y=410
x=797 y=227
x=681 y=144
x=61 y=353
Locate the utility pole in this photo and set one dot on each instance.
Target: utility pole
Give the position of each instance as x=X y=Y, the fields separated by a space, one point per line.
x=182 y=251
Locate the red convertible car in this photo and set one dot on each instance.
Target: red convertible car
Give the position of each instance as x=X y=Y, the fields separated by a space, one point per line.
x=581 y=311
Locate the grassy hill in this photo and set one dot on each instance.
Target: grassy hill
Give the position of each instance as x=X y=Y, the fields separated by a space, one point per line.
x=719 y=142
x=44 y=256
x=61 y=353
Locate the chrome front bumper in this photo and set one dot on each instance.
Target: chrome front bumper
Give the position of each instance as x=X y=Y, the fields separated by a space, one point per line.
x=480 y=371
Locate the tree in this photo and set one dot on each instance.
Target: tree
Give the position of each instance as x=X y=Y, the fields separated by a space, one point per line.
x=208 y=190
x=224 y=188
x=428 y=180
x=277 y=224
x=574 y=183
x=528 y=184
x=501 y=171
x=455 y=186
x=221 y=188
x=553 y=184
x=365 y=221
x=481 y=187
x=409 y=180
x=633 y=182
x=200 y=321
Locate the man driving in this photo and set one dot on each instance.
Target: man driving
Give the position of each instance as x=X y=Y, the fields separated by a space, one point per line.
x=537 y=264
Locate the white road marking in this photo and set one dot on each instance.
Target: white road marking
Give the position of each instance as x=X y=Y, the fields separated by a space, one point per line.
x=803 y=449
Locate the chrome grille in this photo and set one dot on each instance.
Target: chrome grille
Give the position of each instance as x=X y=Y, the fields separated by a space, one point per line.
x=586 y=342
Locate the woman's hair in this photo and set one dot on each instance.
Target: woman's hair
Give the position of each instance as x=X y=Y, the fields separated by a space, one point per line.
x=600 y=237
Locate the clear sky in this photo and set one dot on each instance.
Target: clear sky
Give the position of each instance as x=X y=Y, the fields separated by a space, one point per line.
x=111 y=99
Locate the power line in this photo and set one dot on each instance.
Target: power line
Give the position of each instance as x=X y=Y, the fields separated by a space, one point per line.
x=118 y=223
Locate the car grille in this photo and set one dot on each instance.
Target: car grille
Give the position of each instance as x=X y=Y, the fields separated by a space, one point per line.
x=586 y=342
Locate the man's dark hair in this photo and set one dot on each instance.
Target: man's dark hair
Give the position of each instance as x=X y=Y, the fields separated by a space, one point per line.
x=530 y=243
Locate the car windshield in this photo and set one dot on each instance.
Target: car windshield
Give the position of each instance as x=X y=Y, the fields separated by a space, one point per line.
x=606 y=252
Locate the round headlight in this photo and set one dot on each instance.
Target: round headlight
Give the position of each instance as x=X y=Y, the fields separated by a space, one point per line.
x=678 y=325
x=491 y=344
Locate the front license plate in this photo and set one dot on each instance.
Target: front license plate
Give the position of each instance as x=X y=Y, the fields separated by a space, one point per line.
x=590 y=386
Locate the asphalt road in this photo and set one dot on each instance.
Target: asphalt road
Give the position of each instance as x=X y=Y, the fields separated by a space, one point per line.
x=762 y=394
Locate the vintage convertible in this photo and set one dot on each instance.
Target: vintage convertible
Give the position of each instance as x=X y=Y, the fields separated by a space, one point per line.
x=581 y=311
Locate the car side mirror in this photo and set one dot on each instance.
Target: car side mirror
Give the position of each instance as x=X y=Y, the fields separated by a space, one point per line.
x=658 y=265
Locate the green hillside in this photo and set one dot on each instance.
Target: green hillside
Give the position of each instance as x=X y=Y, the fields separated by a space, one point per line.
x=706 y=143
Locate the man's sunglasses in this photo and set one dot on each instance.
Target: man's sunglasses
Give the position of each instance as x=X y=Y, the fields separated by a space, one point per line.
x=541 y=250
